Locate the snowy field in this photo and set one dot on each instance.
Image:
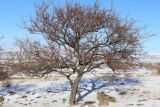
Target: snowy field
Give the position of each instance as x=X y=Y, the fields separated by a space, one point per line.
x=138 y=89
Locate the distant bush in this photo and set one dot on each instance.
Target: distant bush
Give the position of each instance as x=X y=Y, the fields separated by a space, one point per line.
x=3 y=75
x=6 y=83
x=147 y=65
x=109 y=76
x=4 y=78
x=157 y=67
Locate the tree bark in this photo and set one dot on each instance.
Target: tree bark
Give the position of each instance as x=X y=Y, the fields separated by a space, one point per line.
x=74 y=89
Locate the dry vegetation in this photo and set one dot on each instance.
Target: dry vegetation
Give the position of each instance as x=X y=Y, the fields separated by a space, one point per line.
x=157 y=67
x=149 y=66
x=105 y=99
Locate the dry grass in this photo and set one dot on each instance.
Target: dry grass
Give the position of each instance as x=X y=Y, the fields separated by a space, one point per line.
x=146 y=92
x=149 y=66
x=21 y=79
x=105 y=99
x=3 y=75
x=6 y=83
x=109 y=75
x=156 y=71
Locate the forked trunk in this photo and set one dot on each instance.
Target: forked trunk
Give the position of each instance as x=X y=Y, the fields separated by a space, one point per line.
x=74 y=89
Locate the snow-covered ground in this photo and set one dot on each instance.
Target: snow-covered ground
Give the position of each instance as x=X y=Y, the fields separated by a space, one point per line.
x=140 y=91
x=150 y=58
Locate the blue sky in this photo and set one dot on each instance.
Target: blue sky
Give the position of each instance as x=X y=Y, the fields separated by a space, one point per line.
x=13 y=12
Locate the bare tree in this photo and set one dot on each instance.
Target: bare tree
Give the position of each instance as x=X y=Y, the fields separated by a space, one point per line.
x=4 y=68
x=79 y=39
x=3 y=73
x=34 y=59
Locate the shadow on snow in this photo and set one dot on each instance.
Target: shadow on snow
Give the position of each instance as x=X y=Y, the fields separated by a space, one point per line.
x=86 y=86
x=98 y=85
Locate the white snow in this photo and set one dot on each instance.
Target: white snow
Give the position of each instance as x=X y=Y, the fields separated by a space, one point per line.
x=150 y=58
x=52 y=93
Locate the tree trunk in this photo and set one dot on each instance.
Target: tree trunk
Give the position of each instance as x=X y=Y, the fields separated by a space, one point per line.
x=74 y=89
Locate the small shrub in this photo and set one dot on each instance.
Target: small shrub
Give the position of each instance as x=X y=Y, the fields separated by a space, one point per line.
x=105 y=99
x=147 y=65
x=1 y=100
x=7 y=83
x=157 y=67
x=158 y=71
x=108 y=76
x=3 y=75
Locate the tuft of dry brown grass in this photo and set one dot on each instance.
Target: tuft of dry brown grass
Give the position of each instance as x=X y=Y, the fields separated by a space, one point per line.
x=104 y=99
x=156 y=69
x=6 y=83
x=108 y=76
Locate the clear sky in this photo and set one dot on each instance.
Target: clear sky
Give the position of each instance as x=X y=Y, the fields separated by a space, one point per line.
x=13 y=12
